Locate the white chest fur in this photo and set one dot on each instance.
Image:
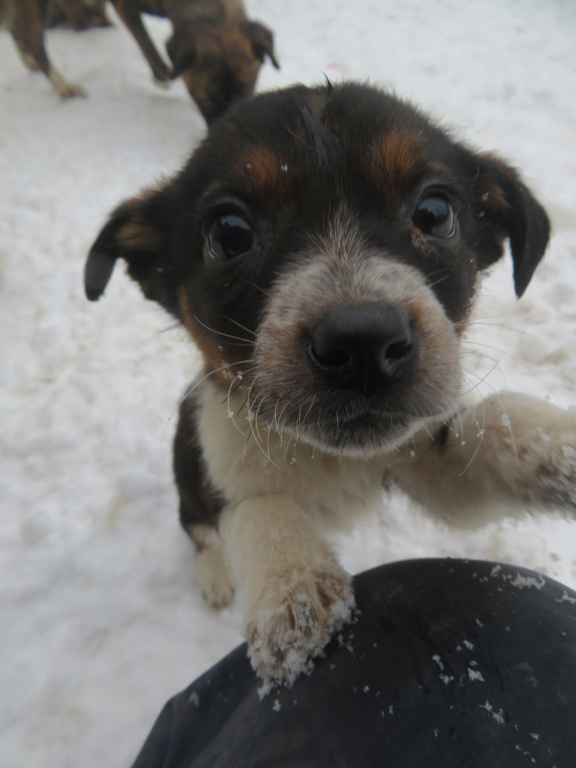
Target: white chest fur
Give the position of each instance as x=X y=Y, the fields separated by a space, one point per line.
x=247 y=459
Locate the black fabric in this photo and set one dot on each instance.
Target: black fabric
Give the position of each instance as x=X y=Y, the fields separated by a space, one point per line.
x=451 y=663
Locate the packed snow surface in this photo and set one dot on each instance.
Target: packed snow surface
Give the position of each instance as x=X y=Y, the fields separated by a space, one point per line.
x=100 y=619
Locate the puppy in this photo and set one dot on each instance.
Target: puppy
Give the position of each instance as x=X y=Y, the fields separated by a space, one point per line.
x=25 y=20
x=323 y=248
x=214 y=47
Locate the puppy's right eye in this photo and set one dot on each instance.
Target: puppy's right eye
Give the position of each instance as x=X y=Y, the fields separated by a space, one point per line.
x=435 y=215
x=230 y=235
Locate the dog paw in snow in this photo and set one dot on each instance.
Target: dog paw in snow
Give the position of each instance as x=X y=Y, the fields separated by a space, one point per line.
x=294 y=622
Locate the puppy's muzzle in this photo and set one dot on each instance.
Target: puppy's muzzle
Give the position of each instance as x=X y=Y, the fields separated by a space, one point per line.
x=363 y=348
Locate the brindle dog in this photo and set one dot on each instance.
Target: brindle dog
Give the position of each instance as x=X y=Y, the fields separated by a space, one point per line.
x=214 y=47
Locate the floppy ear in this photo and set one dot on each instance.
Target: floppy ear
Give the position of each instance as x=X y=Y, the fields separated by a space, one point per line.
x=262 y=42
x=506 y=209
x=138 y=232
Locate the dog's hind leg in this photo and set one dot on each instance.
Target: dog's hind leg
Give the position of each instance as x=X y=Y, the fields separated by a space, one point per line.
x=200 y=507
x=24 y=20
x=26 y=55
x=510 y=452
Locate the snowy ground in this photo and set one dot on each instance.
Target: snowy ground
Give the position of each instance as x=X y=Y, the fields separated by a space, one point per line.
x=100 y=622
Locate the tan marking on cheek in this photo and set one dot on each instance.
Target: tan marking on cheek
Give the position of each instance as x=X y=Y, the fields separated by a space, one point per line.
x=204 y=342
x=213 y=351
x=393 y=160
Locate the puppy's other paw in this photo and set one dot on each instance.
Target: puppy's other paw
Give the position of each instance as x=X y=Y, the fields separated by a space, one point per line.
x=214 y=577
x=296 y=617
x=556 y=470
x=534 y=447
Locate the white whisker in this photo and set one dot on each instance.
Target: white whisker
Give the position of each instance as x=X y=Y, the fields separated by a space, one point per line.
x=245 y=342
x=479 y=438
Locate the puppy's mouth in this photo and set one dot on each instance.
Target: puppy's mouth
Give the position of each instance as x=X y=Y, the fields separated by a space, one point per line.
x=366 y=434
x=337 y=422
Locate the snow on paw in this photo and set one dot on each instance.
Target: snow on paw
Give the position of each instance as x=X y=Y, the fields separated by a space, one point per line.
x=294 y=621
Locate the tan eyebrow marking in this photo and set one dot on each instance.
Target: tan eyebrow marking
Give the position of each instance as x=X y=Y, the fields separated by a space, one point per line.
x=264 y=171
x=393 y=160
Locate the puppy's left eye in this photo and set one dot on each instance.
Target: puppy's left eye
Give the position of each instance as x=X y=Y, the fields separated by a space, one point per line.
x=230 y=235
x=434 y=215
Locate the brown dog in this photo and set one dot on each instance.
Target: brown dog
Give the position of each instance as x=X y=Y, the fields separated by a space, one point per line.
x=214 y=47
x=323 y=247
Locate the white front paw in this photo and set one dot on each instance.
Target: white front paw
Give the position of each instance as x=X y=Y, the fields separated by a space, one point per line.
x=296 y=617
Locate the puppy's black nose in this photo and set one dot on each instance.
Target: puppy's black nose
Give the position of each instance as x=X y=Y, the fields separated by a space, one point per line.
x=363 y=347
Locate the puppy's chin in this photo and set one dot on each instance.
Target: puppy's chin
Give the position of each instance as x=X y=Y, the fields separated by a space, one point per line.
x=365 y=436
x=361 y=443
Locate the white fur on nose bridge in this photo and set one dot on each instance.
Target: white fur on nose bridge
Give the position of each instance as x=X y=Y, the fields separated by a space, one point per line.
x=340 y=269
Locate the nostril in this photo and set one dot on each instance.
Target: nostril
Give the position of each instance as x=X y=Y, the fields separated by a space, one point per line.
x=331 y=359
x=398 y=350
x=396 y=356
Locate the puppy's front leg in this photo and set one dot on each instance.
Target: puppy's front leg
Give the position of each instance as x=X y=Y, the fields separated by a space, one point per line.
x=510 y=449
x=297 y=594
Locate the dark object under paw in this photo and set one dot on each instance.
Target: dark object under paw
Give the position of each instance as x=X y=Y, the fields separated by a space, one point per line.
x=452 y=663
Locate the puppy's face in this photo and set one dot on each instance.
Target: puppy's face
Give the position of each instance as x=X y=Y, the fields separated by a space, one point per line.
x=322 y=247
x=219 y=63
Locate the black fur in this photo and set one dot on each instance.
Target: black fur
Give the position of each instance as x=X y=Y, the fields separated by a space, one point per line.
x=200 y=503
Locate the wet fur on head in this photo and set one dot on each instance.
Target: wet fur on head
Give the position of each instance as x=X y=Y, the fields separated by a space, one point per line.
x=322 y=247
